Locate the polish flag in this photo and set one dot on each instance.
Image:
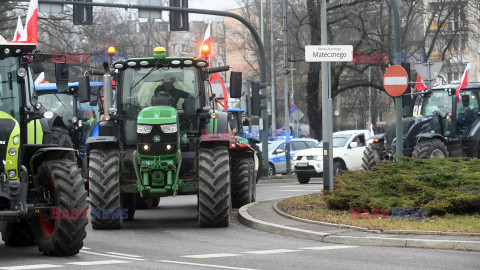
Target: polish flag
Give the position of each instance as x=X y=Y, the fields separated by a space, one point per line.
x=463 y=82
x=19 y=30
x=30 y=33
x=205 y=48
x=420 y=85
x=40 y=78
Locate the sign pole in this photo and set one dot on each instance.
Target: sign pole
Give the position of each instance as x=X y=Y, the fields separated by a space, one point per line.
x=397 y=61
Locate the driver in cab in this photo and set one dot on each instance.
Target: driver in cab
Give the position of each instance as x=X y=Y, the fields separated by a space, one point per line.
x=167 y=94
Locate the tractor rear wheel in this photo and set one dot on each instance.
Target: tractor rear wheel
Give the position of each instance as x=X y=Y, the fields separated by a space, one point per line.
x=432 y=148
x=60 y=136
x=18 y=233
x=369 y=159
x=214 y=202
x=62 y=179
x=104 y=168
x=241 y=185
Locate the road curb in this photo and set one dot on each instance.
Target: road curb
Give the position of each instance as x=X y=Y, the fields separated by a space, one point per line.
x=362 y=229
x=248 y=220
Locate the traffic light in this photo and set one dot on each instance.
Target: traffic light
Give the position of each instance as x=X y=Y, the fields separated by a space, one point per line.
x=61 y=76
x=82 y=15
x=257 y=98
x=179 y=20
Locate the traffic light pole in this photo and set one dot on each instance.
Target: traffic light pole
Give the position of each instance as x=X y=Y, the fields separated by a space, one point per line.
x=250 y=27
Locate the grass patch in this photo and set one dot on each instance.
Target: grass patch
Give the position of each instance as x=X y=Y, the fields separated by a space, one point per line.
x=313 y=207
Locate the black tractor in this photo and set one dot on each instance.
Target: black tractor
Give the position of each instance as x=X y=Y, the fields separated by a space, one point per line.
x=444 y=126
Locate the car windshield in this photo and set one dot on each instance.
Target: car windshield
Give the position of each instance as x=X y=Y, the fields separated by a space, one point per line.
x=437 y=101
x=338 y=140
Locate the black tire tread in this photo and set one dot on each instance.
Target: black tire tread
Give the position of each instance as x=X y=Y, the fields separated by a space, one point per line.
x=424 y=149
x=61 y=137
x=240 y=182
x=368 y=160
x=303 y=179
x=214 y=201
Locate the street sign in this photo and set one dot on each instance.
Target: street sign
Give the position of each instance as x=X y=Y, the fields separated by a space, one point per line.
x=147 y=13
x=293 y=107
x=428 y=71
x=329 y=53
x=297 y=115
x=395 y=80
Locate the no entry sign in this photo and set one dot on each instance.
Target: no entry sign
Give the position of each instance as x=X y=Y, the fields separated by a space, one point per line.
x=395 y=80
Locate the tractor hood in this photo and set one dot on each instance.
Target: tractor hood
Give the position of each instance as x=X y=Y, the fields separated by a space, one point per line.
x=158 y=115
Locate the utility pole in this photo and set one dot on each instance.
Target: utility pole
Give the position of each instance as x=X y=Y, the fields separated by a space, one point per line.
x=292 y=93
x=397 y=61
x=369 y=121
x=262 y=34
x=272 y=73
x=285 y=87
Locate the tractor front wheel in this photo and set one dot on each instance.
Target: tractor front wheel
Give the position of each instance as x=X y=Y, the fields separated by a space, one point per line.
x=62 y=235
x=105 y=200
x=241 y=183
x=432 y=148
x=214 y=202
x=372 y=156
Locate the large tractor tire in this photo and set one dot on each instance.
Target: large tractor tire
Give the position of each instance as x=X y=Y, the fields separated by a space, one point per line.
x=241 y=186
x=214 y=202
x=430 y=149
x=18 y=233
x=60 y=136
x=104 y=178
x=62 y=236
x=369 y=159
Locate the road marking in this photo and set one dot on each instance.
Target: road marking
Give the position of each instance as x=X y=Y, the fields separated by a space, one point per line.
x=31 y=266
x=272 y=251
x=206 y=265
x=85 y=248
x=296 y=190
x=123 y=254
x=214 y=255
x=112 y=256
x=328 y=247
x=98 y=262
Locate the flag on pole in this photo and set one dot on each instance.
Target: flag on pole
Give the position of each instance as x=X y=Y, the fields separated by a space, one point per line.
x=463 y=82
x=40 y=78
x=420 y=85
x=30 y=33
x=371 y=130
x=205 y=48
x=19 y=30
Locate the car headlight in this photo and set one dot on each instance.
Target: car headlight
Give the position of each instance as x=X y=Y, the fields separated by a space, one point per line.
x=319 y=158
x=295 y=158
x=144 y=129
x=170 y=128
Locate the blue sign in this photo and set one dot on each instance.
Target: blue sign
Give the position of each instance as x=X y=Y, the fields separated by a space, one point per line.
x=293 y=108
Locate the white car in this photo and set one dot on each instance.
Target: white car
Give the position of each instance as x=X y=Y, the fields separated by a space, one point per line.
x=348 y=149
x=277 y=163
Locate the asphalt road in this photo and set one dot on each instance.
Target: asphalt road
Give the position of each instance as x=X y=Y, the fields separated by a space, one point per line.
x=169 y=237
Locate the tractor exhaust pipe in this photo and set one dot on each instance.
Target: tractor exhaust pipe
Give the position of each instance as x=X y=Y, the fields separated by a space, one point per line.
x=107 y=90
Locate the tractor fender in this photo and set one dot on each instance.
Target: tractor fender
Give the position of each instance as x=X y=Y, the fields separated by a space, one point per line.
x=47 y=153
x=221 y=136
x=425 y=136
x=102 y=142
x=472 y=141
x=222 y=122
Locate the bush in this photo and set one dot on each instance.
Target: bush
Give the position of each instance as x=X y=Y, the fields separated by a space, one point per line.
x=440 y=185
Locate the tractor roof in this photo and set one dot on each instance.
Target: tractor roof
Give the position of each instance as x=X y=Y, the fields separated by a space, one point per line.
x=470 y=86
x=15 y=49
x=148 y=62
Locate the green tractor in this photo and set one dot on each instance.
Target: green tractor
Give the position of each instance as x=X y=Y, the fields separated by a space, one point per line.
x=441 y=128
x=42 y=196
x=163 y=134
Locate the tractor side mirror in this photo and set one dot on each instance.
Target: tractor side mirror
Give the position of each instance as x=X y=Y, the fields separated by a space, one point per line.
x=83 y=89
x=61 y=76
x=37 y=67
x=235 y=84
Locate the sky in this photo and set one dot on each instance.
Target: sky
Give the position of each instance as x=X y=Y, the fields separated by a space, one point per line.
x=210 y=4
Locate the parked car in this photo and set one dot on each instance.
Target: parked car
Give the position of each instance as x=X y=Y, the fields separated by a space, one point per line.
x=276 y=153
x=348 y=149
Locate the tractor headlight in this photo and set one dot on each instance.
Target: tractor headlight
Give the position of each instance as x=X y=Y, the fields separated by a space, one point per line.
x=319 y=158
x=146 y=147
x=144 y=129
x=168 y=147
x=12 y=152
x=12 y=174
x=171 y=128
x=16 y=140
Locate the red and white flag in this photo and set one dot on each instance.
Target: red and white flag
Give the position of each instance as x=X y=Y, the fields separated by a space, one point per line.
x=40 y=78
x=205 y=48
x=19 y=30
x=30 y=33
x=420 y=85
x=463 y=82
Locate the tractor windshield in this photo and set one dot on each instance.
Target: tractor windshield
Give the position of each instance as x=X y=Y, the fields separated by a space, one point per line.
x=9 y=93
x=437 y=101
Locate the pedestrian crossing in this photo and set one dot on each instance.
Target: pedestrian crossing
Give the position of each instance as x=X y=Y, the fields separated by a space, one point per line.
x=124 y=258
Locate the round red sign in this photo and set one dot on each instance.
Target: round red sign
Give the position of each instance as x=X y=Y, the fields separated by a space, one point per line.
x=395 y=80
